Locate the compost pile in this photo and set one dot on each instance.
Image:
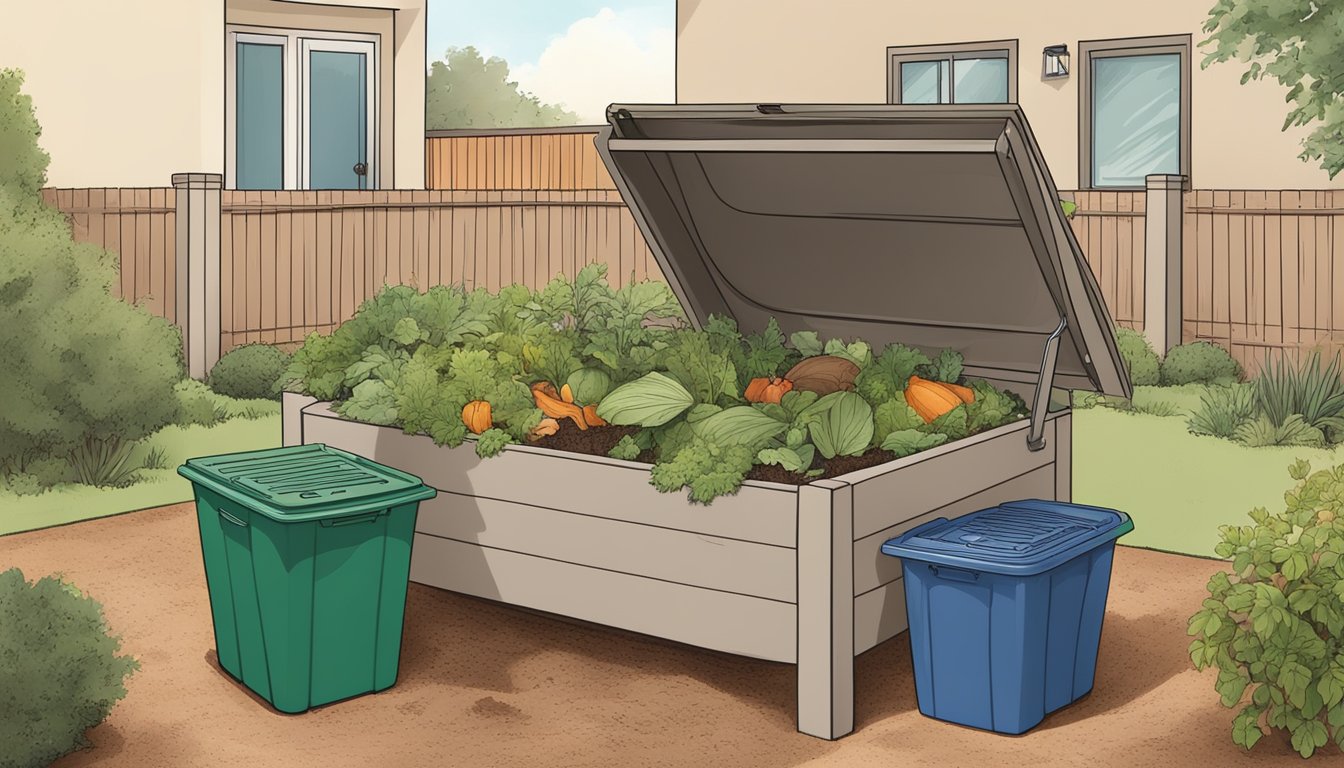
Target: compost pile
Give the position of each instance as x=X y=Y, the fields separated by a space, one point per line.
x=579 y=366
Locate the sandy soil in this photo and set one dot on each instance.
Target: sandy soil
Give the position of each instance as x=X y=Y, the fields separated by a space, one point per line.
x=488 y=685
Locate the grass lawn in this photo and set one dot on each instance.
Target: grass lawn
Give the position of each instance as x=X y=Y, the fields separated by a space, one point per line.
x=250 y=425
x=1178 y=487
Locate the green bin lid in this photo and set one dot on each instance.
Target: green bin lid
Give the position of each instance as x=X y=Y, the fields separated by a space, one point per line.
x=305 y=480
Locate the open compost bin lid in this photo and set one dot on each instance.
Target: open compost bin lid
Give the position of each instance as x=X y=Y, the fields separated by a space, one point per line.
x=931 y=226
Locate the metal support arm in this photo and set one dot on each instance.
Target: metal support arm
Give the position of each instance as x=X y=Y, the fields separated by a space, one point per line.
x=1041 y=402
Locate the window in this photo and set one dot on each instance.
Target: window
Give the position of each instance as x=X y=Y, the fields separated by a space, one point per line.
x=1134 y=108
x=960 y=73
x=301 y=110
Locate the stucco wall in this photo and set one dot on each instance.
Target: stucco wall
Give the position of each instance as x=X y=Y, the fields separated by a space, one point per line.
x=758 y=51
x=117 y=86
x=130 y=92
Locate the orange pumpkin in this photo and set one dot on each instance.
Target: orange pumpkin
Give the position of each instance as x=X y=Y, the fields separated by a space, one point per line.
x=767 y=390
x=930 y=399
x=966 y=394
x=476 y=415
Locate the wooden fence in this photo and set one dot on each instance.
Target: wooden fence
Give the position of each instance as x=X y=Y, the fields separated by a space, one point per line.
x=535 y=160
x=1261 y=270
x=140 y=226
x=297 y=262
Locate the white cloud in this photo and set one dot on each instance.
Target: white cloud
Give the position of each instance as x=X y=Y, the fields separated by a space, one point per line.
x=606 y=58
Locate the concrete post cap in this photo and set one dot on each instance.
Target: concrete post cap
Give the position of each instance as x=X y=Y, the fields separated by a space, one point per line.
x=198 y=180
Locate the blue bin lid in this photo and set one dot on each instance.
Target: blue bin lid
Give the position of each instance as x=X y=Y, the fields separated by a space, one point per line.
x=1020 y=538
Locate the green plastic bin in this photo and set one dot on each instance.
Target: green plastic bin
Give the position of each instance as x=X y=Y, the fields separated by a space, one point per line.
x=307 y=552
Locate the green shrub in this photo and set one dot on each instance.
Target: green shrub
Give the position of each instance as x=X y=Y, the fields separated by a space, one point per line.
x=61 y=673
x=1223 y=410
x=84 y=372
x=1272 y=625
x=1308 y=389
x=196 y=404
x=22 y=484
x=50 y=471
x=1139 y=357
x=1199 y=362
x=24 y=170
x=249 y=372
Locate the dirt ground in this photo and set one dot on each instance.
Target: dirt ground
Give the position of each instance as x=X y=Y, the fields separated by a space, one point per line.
x=483 y=684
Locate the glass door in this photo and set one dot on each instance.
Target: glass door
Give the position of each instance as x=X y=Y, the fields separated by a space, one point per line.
x=339 y=85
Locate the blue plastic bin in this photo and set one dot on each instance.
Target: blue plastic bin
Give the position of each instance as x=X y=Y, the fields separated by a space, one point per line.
x=1005 y=608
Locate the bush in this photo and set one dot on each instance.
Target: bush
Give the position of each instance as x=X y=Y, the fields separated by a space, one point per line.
x=1308 y=389
x=1199 y=362
x=1139 y=357
x=196 y=404
x=84 y=372
x=1223 y=410
x=1271 y=625
x=61 y=673
x=249 y=372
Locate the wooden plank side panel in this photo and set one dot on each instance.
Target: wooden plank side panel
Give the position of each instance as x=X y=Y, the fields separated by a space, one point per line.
x=693 y=559
x=1221 y=280
x=744 y=626
x=873 y=569
x=155 y=298
x=759 y=512
x=268 y=269
x=1189 y=269
x=169 y=254
x=322 y=256
x=1290 y=266
x=1336 y=229
x=942 y=475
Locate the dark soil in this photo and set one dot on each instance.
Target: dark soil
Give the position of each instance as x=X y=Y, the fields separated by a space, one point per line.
x=594 y=441
x=598 y=441
x=834 y=468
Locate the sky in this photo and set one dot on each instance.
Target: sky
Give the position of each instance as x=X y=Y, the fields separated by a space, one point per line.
x=583 y=54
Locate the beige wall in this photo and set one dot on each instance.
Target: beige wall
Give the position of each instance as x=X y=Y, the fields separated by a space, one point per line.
x=761 y=51
x=130 y=92
x=117 y=86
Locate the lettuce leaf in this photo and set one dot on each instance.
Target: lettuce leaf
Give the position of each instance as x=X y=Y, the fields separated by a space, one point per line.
x=886 y=376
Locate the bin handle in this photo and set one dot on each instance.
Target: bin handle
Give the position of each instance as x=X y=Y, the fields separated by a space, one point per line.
x=954 y=574
x=232 y=519
x=354 y=520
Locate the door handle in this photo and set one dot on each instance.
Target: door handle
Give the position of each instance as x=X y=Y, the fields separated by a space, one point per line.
x=361 y=169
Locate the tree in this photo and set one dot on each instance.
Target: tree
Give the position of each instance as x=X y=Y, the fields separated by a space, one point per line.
x=1300 y=43
x=467 y=90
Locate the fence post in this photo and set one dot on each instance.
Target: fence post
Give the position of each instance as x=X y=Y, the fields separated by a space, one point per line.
x=198 y=302
x=1163 y=218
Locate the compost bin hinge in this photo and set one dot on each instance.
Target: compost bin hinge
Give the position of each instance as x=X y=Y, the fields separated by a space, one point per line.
x=1040 y=403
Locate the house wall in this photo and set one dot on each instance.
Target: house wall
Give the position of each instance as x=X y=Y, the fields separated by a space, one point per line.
x=117 y=86
x=131 y=92
x=771 y=51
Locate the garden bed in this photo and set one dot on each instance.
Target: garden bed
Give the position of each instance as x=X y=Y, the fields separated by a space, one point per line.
x=785 y=572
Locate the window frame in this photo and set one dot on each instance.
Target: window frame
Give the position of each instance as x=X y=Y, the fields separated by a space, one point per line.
x=950 y=52
x=1123 y=47
x=295 y=43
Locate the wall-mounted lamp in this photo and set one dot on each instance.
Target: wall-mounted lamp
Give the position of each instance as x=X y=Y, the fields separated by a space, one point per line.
x=1056 y=61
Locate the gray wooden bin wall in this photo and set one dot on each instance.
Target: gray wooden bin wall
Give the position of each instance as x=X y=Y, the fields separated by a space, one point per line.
x=778 y=572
